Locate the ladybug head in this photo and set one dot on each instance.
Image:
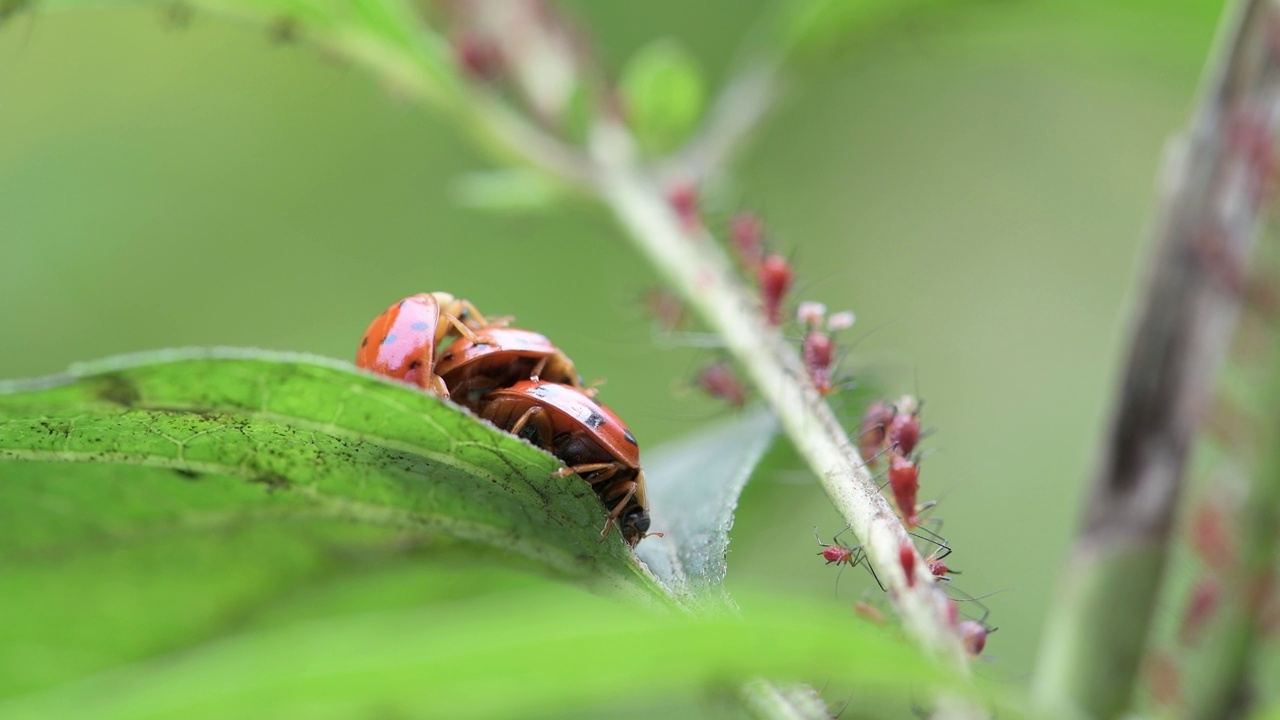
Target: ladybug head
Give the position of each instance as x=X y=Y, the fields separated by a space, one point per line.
x=634 y=525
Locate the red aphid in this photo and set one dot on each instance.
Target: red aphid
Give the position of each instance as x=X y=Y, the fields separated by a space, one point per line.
x=746 y=233
x=1163 y=679
x=837 y=554
x=478 y=56
x=974 y=636
x=1210 y=538
x=1200 y=607
x=775 y=275
x=904 y=432
x=719 y=380
x=818 y=355
x=666 y=309
x=874 y=431
x=683 y=197
x=907 y=558
x=869 y=612
x=904 y=481
x=935 y=563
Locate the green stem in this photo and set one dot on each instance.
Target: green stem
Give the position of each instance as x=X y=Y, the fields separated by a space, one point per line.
x=1204 y=229
x=1218 y=680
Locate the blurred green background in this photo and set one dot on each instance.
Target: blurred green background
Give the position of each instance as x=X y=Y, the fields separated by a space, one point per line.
x=972 y=182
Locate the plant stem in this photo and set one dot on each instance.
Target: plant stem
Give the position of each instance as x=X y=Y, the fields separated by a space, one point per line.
x=1218 y=685
x=1203 y=230
x=696 y=267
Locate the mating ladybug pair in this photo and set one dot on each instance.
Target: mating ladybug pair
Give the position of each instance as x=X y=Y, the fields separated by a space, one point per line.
x=519 y=381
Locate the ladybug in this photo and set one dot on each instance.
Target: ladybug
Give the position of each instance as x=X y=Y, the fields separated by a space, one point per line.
x=401 y=342
x=587 y=437
x=497 y=357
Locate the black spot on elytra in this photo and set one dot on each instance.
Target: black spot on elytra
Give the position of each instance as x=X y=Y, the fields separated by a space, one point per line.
x=187 y=474
x=117 y=389
x=364 y=341
x=594 y=420
x=415 y=364
x=273 y=481
x=626 y=434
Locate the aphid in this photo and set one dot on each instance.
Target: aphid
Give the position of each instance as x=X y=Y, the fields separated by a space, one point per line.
x=775 y=275
x=935 y=563
x=719 y=380
x=907 y=558
x=498 y=357
x=746 y=233
x=818 y=354
x=667 y=310
x=1210 y=538
x=874 y=431
x=401 y=342
x=1200 y=607
x=479 y=57
x=818 y=350
x=973 y=633
x=1163 y=679
x=869 y=612
x=683 y=198
x=904 y=432
x=836 y=553
x=587 y=437
x=904 y=481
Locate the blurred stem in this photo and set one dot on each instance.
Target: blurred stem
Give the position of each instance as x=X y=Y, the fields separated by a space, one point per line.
x=1203 y=230
x=1219 y=681
x=766 y=699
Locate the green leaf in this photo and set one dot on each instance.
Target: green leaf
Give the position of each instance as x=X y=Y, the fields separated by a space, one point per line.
x=693 y=488
x=534 y=653
x=177 y=490
x=664 y=95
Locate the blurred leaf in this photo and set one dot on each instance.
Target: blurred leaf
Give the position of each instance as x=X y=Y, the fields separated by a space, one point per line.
x=664 y=95
x=532 y=654
x=812 y=29
x=693 y=488
x=151 y=499
x=386 y=36
x=515 y=190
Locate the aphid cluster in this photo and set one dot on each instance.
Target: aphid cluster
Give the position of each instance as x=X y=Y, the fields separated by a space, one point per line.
x=889 y=433
x=521 y=382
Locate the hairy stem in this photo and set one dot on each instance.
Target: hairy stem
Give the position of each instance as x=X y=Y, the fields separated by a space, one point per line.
x=1204 y=227
x=696 y=267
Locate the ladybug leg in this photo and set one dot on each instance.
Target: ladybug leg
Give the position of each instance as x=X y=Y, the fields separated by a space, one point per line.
x=438 y=387
x=451 y=322
x=606 y=470
x=631 y=487
x=541 y=425
x=538 y=369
